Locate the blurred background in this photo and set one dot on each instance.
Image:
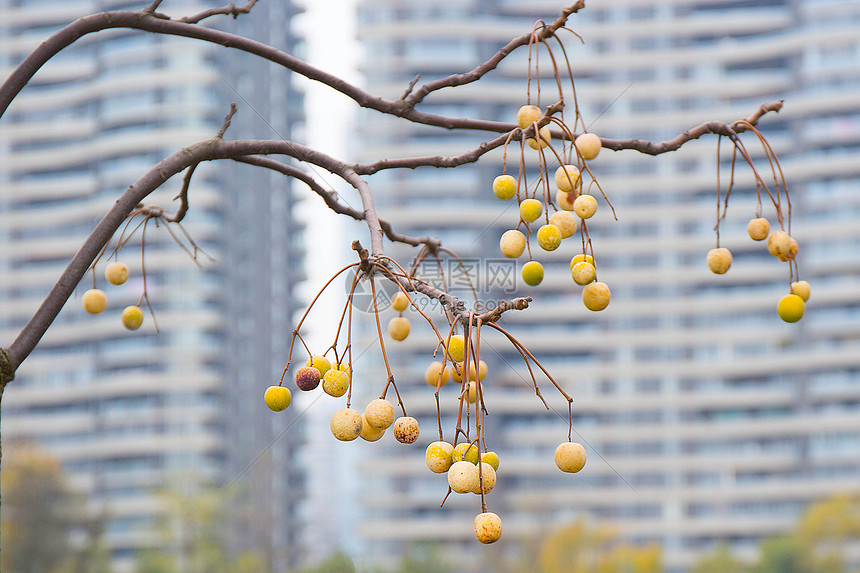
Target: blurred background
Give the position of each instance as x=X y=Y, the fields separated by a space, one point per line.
x=719 y=438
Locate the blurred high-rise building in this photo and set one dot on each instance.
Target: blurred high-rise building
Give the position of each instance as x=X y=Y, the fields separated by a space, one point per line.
x=705 y=417
x=132 y=414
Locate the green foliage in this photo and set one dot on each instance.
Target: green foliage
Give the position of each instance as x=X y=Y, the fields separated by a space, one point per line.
x=337 y=562
x=39 y=513
x=720 y=561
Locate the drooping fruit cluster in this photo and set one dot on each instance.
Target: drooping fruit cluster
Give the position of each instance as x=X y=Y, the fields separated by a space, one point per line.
x=94 y=300
x=554 y=220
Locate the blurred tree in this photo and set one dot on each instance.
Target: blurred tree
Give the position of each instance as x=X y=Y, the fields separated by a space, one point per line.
x=39 y=513
x=827 y=531
x=720 y=561
x=337 y=562
x=197 y=539
x=578 y=548
x=782 y=554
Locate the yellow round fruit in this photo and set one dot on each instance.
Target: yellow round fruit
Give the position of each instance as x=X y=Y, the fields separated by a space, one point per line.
x=483 y=369
x=566 y=178
x=321 y=363
x=379 y=413
x=549 y=237
x=431 y=375
x=801 y=289
x=565 y=200
x=486 y=477
x=585 y=206
x=116 y=273
x=342 y=366
x=791 y=308
x=512 y=244
x=580 y=258
x=346 y=424
x=457 y=347
x=132 y=317
x=406 y=429
x=277 y=398
x=437 y=456
x=758 y=229
x=504 y=186
x=463 y=477
x=532 y=273
x=792 y=251
x=400 y=302
x=719 y=260
x=457 y=371
x=570 y=457
x=398 y=328
x=565 y=221
x=779 y=244
x=94 y=301
x=583 y=273
x=527 y=115
x=335 y=382
x=595 y=296
x=530 y=209
x=588 y=145
x=465 y=452
x=491 y=458
x=544 y=135
x=488 y=527
x=472 y=392
x=368 y=432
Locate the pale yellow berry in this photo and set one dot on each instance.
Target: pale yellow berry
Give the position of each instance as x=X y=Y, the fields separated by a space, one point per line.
x=570 y=457
x=277 y=398
x=398 y=328
x=346 y=424
x=530 y=209
x=527 y=115
x=581 y=258
x=792 y=251
x=433 y=372
x=791 y=308
x=437 y=456
x=565 y=221
x=321 y=363
x=532 y=273
x=335 y=382
x=472 y=392
x=116 y=273
x=583 y=273
x=457 y=347
x=400 y=302
x=549 y=237
x=588 y=145
x=463 y=477
x=565 y=200
x=379 y=413
x=94 y=301
x=406 y=429
x=487 y=477
x=801 y=289
x=512 y=244
x=504 y=186
x=491 y=458
x=465 y=452
x=595 y=296
x=544 y=135
x=368 y=432
x=488 y=527
x=566 y=178
x=719 y=260
x=132 y=317
x=779 y=244
x=585 y=206
x=758 y=229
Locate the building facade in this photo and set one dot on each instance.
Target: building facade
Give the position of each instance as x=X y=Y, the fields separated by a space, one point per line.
x=706 y=419
x=132 y=414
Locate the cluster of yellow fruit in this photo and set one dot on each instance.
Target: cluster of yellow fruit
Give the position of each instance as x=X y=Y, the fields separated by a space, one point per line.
x=437 y=374
x=95 y=301
x=399 y=326
x=573 y=206
x=347 y=424
x=782 y=246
